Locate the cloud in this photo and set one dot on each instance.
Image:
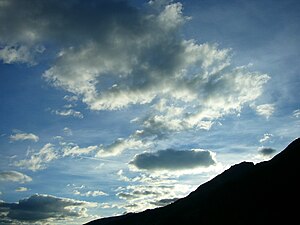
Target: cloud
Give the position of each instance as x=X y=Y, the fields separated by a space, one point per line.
x=265 y=110
x=21 y=189
x=132 y=58
x=173 y=160
x=70 y=98
x=164 y=202
x=19 y=54
x=39 y=160
x=14 y=176
x=21 y=136
x=266 y=151
x=265 y=137
x=135 y=57
x=139 y=197
x=119 y=146
x=68 y=112
x=67 y=131
x=75 y=150
x=296 y=113
x=42 y=208
x=90 y=193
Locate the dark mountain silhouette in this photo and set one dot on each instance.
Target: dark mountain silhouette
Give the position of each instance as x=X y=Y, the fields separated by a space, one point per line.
x=245 y=194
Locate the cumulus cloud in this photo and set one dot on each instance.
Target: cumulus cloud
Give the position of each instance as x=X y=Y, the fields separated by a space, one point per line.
x=134 y=57
x=171 y=159
x=142 y=53
x=21 y=136
x=14 y=176
x=265 y=151
x=265 y=110
x=39 y=160
x=43 y=208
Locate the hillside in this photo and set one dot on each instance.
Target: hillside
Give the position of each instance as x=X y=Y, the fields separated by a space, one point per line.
x=265 y=193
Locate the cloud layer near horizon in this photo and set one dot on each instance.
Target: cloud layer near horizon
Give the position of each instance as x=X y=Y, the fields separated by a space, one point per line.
x=40 y=208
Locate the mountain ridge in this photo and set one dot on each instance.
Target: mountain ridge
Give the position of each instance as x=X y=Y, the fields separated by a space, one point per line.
x=265 y=193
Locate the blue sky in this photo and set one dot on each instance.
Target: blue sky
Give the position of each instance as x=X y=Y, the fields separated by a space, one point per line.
x=117 y=106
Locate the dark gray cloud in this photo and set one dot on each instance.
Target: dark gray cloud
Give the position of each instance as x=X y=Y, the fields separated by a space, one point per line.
x=44 y=207
x=267 y=151
x=163 y=202
x=171 y=159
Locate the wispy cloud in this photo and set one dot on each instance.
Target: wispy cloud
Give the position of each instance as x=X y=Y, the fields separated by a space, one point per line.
x=68 y=131
x=22 y=136
x=68 y=112
x=266 y=137
x=118 y=146
x=90 y=193
x=39 y=160
x=265 y=110
x=19 y=54
x=296 y=113
x=14 y=176
x=75 y=150
x=21 y=189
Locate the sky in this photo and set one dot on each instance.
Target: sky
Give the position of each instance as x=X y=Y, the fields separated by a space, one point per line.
x=110 y=107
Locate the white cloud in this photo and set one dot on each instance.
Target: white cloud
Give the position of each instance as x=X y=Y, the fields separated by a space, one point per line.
x=68 y=131
x=134 y=58
x=19 y=54
x=90 y=193
x=68 y=112
x=75 y=150
x=265 y=137
x=71 y=98
x=21 y=189
x=21 y=136
x=44 y=208
x=119 y=146
x=140 y=55
x=14 y=176
x=39 y=160
x=296 y=113
x=265 y=110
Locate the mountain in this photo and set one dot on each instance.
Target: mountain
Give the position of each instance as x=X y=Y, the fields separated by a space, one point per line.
x=245 y=194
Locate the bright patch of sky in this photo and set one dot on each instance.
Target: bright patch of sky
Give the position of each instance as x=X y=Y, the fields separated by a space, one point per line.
x=110 y=107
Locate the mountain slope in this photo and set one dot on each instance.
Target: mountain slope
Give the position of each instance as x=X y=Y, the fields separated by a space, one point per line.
x=265 y=193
